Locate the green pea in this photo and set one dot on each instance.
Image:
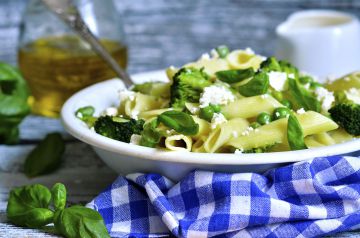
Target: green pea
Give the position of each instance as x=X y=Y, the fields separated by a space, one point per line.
x=281 y=112
x=305 y=79
x=277 y=95
x=263 y=118
x=314 y=85
x=286 y=103
x=216 y=108
x=206 y=113
x=255 y=125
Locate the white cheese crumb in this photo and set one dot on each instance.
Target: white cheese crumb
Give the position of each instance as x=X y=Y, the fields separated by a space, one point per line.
x=247 y=131
x=307 y=86
x=217 y=120
x=300 y=111
x=170 y=132
x=325 y=97
x=277 y=80
x=249 y=51
x=127 y=95
x=292 y=76
x=235 y=134
x=110 y=111
x=216 y=95
x=205 y=56
x=134 y=114
x=194 y=110
x=79 y=115
x=214 y=54
x=238 y=151
x=135 y=139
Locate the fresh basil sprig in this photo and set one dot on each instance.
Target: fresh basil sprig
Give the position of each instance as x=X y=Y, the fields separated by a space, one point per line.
x=46 y=157
x=180 y=122
x=58 y=193
x=150 y=136
x=295 y=134
x=303 y=97
x=29 y=206
x=234 y=75
x=258 y=85
x=14 y=106
x=78 y=221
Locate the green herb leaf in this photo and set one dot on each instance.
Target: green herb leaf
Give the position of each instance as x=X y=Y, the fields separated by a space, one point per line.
x=14 y=94
x=79 y=221
x=303 y=97
x=86 y=115
x=58 y=192
x=222 y=50
x=46 y=157
x=28 y=206
x=295 y=134
x=180 y=122
x=258 y=85
x=150 y=136
x=234 y=75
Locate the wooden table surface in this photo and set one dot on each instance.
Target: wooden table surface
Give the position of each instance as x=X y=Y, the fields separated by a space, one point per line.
x=159 y=34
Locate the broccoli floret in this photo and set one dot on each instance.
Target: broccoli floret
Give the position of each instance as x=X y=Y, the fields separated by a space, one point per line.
x=347 y=115
x=188 y=84
x=121 y=130
x=270 y=64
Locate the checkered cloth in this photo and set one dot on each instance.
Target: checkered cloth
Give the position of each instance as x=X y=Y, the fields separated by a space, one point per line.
x=306 y=199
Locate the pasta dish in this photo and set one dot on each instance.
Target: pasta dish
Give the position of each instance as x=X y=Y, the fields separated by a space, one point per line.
x=233 y=102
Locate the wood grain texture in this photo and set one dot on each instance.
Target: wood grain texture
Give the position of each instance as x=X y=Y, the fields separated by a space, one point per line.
x=159 y=33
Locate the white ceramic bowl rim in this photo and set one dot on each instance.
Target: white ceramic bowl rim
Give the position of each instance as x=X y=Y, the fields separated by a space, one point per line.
x=78 y=129
x=284 y=27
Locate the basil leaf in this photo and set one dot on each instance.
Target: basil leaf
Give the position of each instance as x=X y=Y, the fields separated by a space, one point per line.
x=180 y=122
x=46 y=157
x=58 y=192
x=235 y=75
x=14 y=94
x=222 y=50
x=295 y=134
x=28 y=206
x=150 y=136
x=302 y=97
x=78 y=221
x=258 y=85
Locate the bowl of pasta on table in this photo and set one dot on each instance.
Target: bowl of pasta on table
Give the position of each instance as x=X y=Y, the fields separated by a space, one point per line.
x=229 y=111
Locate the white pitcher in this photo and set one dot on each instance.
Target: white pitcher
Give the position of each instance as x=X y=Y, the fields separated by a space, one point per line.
x=320 y=42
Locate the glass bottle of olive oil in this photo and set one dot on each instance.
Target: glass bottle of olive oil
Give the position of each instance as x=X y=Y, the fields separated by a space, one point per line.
x=58 y=64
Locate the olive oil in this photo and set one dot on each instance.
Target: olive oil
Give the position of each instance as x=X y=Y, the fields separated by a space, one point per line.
x=56 y=67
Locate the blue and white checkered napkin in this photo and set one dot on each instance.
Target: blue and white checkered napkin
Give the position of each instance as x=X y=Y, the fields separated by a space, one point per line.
x=306 y=199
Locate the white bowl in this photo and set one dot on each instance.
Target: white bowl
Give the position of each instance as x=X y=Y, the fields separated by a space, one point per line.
x=128 y=158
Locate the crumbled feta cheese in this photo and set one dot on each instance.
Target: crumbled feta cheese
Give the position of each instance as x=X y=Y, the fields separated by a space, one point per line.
x=249 y=51
x=292 y=76
x=135 y=139
x=170 y=132
x=238 y=151
x=277 y=114
x=300 y=111
x=110 y=111
x=235 y=134
x=277 y=80
x=79 y=115
x=134 y=114
x=247 y=131
x=205 y=56
x=194 y=110
x=216 y=95
x=214 y=54
x=325 y=97
x=217 y=119
x=127 y=94
x=307 y=86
